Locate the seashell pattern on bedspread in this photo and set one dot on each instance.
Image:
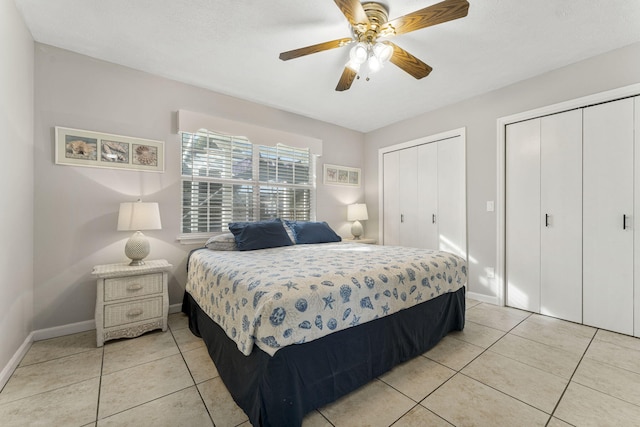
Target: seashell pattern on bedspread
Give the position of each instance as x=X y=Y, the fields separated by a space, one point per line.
x=294 y=294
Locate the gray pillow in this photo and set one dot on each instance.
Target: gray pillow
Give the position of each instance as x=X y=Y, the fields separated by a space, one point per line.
x=222 y=242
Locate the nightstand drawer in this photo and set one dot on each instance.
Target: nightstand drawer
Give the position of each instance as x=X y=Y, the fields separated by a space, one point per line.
x=132 y=286
x=130 y=312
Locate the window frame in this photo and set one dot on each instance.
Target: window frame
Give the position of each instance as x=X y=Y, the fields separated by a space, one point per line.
x=254 y=182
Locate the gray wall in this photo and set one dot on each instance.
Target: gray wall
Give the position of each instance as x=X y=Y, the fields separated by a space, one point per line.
x=608 y=71
x=76 y=207
x=16 y=183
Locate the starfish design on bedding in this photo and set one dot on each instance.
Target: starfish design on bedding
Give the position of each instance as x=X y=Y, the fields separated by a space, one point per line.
x=290 y=285
x=328 y=301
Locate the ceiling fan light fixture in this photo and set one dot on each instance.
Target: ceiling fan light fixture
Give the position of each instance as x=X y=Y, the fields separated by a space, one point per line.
x=369 y=22
x=374 y=63
x=383 y=51
x=359 y=53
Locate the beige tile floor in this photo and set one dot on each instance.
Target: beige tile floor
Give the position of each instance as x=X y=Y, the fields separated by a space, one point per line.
x=507 y=368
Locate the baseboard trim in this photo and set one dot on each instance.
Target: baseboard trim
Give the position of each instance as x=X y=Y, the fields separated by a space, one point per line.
x=15 y=360
x=483 y=298
x=55 y=332
x=58 y=331
x=74 y=328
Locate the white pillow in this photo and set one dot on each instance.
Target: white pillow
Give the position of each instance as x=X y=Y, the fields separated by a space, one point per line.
x=222 y=242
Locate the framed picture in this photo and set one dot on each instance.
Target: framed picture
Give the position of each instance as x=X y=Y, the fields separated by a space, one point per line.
x=75 y=147
x=341 y=175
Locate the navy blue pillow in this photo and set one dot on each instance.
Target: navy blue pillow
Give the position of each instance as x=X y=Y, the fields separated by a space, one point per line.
x=307 y=232
x=250 y=236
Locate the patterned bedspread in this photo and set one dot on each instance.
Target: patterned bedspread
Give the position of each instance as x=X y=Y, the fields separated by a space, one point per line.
x=294 y=294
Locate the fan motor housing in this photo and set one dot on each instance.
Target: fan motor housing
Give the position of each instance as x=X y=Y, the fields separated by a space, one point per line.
x=378 y=15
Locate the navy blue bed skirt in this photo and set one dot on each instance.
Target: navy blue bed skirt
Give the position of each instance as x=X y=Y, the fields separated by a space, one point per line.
x=280 y=390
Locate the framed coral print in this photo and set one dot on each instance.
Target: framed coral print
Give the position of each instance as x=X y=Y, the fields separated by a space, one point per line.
x=341 y=175
x=75 y=147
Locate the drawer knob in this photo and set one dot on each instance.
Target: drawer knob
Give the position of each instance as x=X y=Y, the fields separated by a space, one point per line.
x=134 y=312
x=134 y=287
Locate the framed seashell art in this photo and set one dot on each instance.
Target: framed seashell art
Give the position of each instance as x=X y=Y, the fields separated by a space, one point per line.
x=75 y=147
x=341 y=175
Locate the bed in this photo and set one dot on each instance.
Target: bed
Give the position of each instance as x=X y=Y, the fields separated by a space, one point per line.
x=293 y=328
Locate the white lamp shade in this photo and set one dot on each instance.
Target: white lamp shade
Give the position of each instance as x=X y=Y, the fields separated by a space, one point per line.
x=357 y=212
x=139 y=216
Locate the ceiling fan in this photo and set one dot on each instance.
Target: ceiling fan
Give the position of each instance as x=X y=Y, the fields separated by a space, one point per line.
x=369 y=23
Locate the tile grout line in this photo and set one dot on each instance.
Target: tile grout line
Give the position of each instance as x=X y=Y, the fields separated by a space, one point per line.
x=52 y=359
x=459 y=371
x=144 y=403
x=571 y=378
x=53 y=389
x=606 y=364
x=487 y=385
x=192 y=377
x=159 y=397
x=513 y=397
x=99 y=385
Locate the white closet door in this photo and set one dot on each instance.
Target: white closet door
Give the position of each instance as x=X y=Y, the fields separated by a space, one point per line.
x=428 y=195
x=561 y=216
x=408 y=194
x=608 y=198
x=391 y=198
x=636 y=329
x=452 y=206
x=523 y=215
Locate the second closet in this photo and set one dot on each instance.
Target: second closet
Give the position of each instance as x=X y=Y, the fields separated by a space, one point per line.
x=570 y=213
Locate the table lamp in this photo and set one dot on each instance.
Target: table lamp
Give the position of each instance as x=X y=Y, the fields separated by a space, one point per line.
x=357 y=212
x=138 y=216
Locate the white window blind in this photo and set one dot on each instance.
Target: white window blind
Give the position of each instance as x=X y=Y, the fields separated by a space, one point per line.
x=227 y=179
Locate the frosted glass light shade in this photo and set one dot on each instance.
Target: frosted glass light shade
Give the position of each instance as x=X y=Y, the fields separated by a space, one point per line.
x=359 y=53
x=383 y=51
x=138 y=216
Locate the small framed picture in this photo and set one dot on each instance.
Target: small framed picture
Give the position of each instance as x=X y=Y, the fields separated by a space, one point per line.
x=341 y=175
x=75 y=147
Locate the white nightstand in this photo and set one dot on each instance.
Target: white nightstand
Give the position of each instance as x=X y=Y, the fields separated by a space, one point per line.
x=131 y=300
x=361 y=240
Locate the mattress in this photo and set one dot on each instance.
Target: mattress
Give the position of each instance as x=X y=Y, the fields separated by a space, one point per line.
x=274 y=298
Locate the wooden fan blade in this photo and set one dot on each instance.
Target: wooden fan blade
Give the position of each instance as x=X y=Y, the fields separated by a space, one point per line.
x=296 y=53
x=438 y=13
x=347 y=77
x=354 y=12
x=408 y=62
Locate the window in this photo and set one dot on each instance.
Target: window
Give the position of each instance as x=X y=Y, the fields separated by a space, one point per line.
x=227 y=179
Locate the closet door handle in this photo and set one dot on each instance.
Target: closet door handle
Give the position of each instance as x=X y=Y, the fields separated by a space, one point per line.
x=401 y=217
x=433 y=218
x=624 y=222
x=546 y=220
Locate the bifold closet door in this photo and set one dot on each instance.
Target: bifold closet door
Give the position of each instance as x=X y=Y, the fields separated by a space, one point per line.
x=452 y=205
x=400 y=186
x=408 y=194
x=608 y=216
x=523 y=215
x=428 y=196
x=636 y=328
x=391 y=198
x=561 y=215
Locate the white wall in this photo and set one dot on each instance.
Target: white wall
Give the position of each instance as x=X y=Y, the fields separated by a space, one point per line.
x=608 y=71
x=16 y=185
x=76 y=207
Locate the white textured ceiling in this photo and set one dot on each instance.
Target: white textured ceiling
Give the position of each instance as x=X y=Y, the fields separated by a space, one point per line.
x=232 y=47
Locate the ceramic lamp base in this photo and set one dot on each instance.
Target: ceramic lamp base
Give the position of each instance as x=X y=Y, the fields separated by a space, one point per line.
x=356 y=230
x=137 y=248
